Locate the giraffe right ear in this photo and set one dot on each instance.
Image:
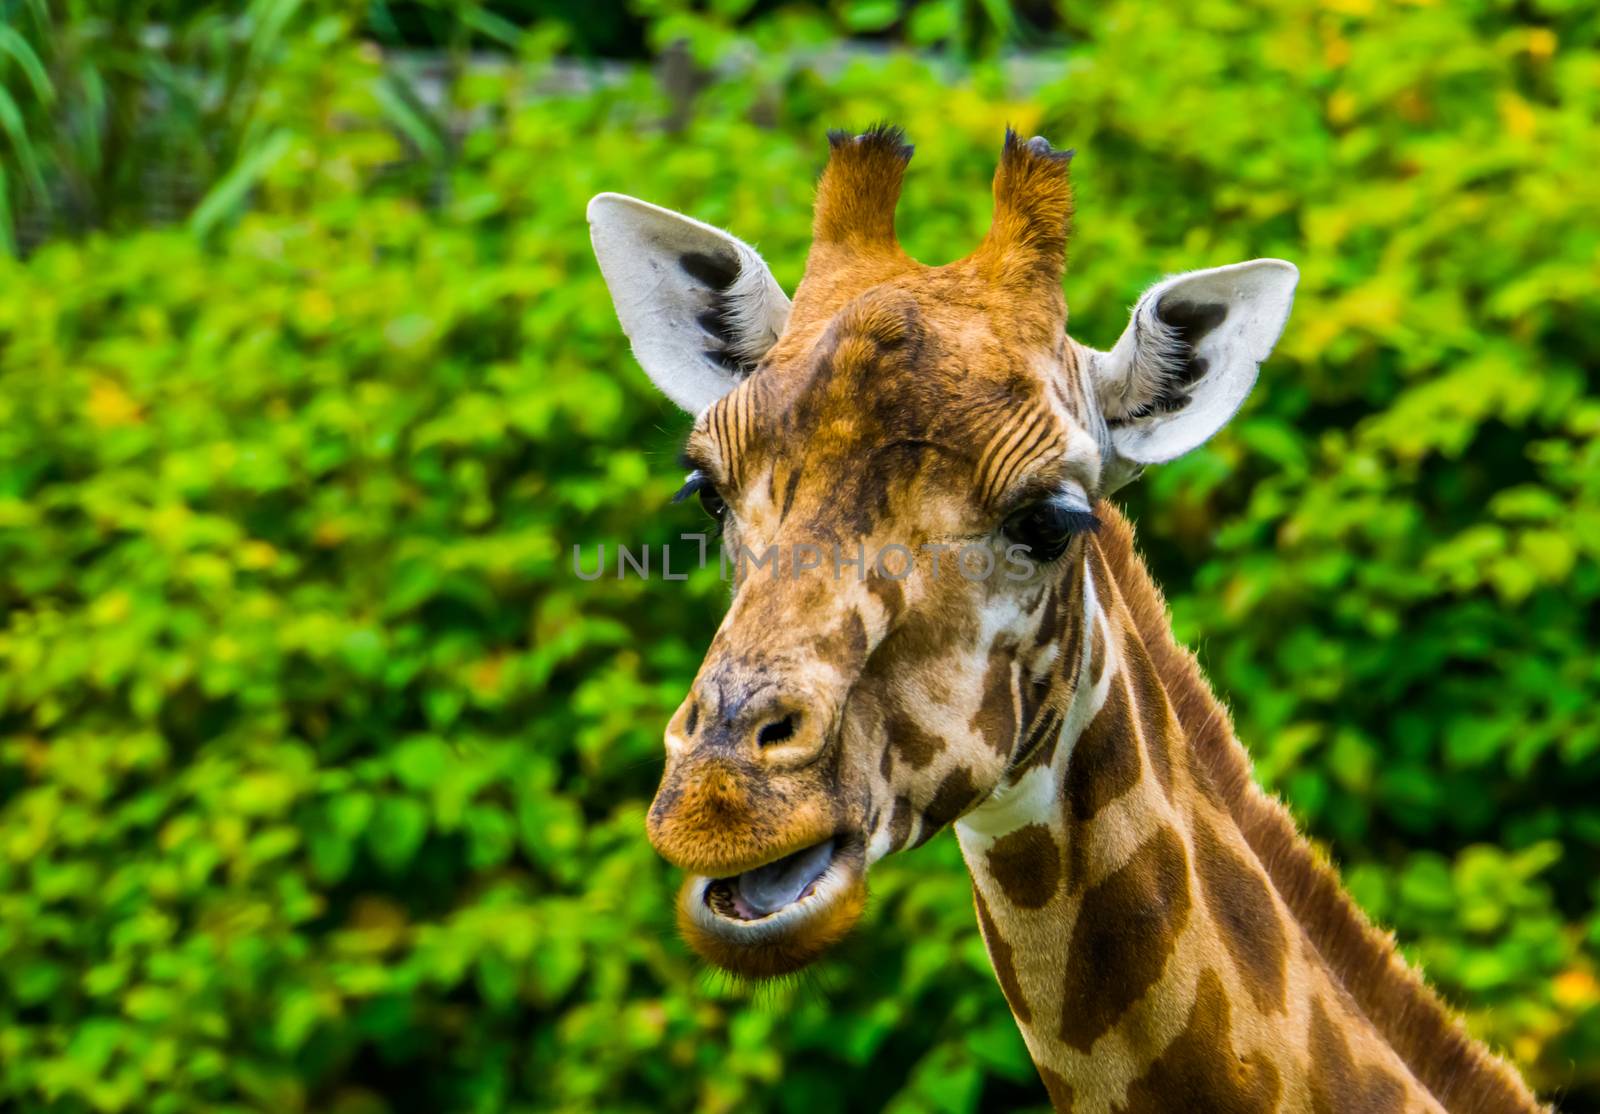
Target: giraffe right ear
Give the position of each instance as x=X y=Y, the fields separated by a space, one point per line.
x=699 y=305
x=1188 y=359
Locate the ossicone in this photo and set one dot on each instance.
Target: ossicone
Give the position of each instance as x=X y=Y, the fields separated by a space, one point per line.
x=1027 y=241
x=860 y=188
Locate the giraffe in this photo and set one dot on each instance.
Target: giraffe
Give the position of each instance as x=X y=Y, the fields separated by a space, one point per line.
x=944 y=623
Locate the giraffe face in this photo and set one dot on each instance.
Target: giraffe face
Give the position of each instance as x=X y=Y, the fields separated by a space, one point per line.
x=864 y=687
x=903 y=463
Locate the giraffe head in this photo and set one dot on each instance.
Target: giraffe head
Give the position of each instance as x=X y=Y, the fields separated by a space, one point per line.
x=904 y=462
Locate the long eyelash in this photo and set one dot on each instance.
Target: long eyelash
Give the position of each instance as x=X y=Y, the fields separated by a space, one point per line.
x=697 y=482
x=692 y=484
x=1083 y=522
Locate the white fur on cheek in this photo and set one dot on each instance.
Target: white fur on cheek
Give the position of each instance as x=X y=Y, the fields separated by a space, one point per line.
x=1033 y=798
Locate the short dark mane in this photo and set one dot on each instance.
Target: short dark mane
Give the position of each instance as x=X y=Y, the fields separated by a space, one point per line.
x=1460 y=1072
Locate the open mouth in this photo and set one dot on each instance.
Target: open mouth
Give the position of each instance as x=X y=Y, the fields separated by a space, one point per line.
x=777 y=917
x=771 y=888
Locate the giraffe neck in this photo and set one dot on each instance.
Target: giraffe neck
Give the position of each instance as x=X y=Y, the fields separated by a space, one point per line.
x=1151 y=961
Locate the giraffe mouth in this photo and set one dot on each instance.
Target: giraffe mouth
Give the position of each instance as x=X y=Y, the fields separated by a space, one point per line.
x=770 y=888
x=775 y=918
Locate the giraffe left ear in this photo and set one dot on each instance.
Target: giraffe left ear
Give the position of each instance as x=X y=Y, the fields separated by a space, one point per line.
x=1189 y=358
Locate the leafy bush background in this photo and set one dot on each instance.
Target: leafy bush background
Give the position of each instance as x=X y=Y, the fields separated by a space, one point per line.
x=321 y=777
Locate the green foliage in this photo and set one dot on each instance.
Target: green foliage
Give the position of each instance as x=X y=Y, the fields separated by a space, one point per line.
x=103 y=102
x=322 y=778
x=113 y=115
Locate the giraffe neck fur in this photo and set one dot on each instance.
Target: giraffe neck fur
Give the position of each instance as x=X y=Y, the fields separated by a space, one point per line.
x=1148 y=958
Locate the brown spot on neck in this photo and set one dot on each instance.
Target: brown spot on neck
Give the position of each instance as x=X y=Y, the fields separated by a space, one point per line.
x=1026 y=865
x=1105 y=762
x=1127 y=928
x=1200 y=1069
x=1242 y=906
x=1059 y=1090
x=1338 y=1085
x=1000 y=956
x=1097 y=650
x=1157 y=726
x=1103 y=765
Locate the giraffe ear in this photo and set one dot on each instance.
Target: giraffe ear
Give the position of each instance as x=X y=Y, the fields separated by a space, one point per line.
x=1189 y=358
x=700 y=306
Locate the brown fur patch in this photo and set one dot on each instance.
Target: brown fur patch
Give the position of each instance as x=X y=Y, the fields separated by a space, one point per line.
x=955 y=793
x=1200 y=1070
x=900 y=822
x=1097 y=651
x=1070 y=662
x=889 y=593
x=1052 y=605
x=856 y=633
x=1105 y=763
x=1338 y=1085
x=846 y=647
x=1461 y=1073
x=1244 y=911
x=911 y=744
x=996 y=719
x=1156 y=722
x=921 y=639
x=1059 y=1090
x=788 y=493
x=1026 y=865
x=1000 y=956
x=1127 y=928
x=1042 y=742
x=1096 y=775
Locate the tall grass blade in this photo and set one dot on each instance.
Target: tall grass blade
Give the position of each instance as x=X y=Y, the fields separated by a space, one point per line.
x=15 y=47
x=229 y=193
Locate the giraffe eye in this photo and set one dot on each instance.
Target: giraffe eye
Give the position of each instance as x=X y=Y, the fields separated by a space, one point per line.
x=699 y=484
x=711 y=500
x=1046 y=528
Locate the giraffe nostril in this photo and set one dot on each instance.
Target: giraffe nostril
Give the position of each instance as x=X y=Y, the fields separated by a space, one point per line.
x=776 y=731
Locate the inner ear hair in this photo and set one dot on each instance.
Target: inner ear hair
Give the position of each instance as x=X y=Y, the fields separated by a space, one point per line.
x=748 y=317
x=1166 y=364
x=1184 y=323
x=736 y=316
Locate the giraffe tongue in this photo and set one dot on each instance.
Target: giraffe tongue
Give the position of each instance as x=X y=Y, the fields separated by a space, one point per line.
x=766 y=889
